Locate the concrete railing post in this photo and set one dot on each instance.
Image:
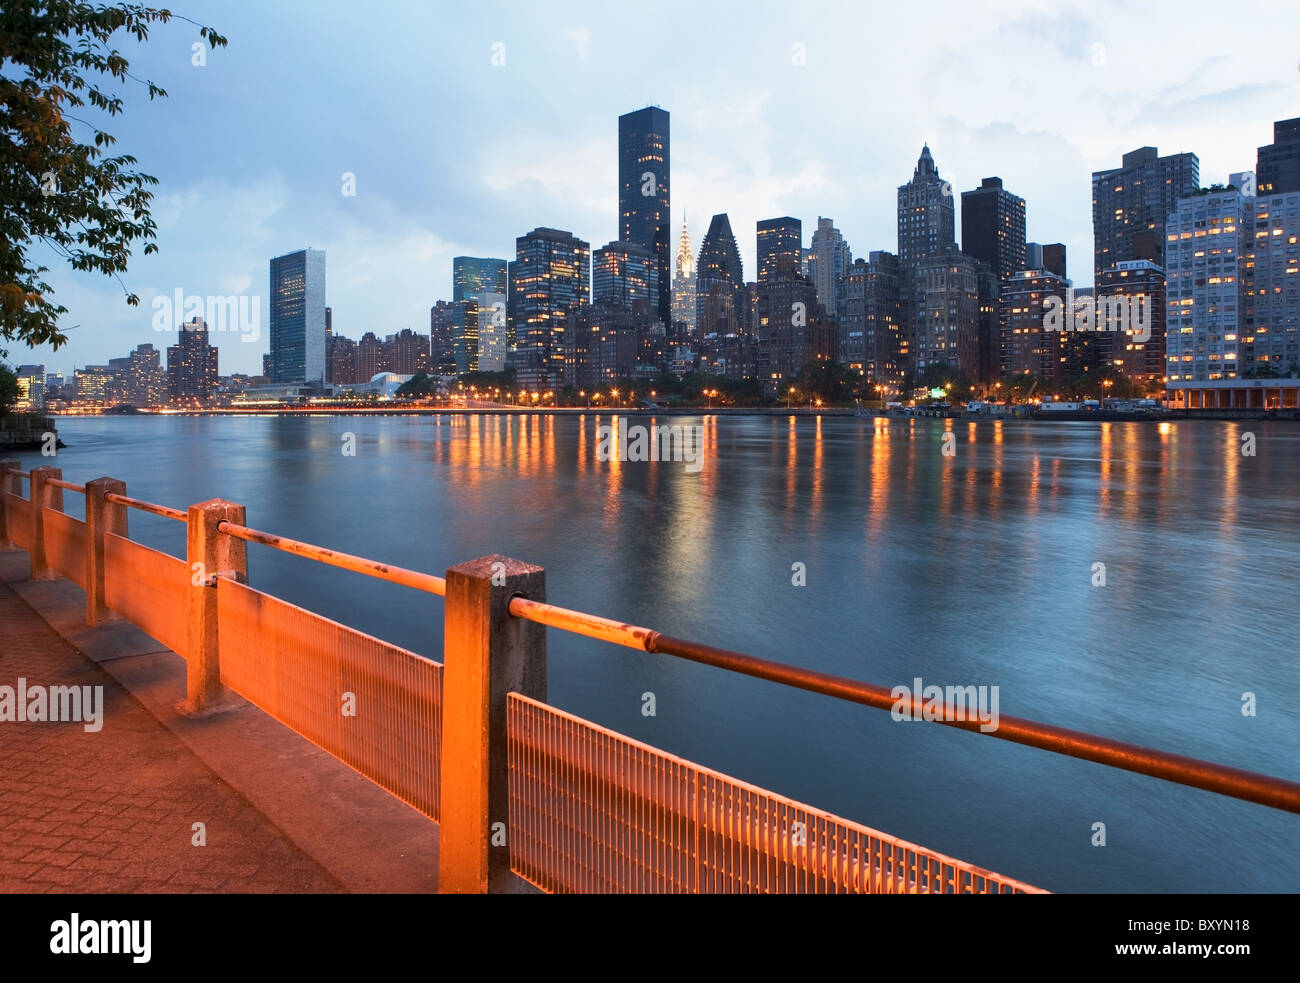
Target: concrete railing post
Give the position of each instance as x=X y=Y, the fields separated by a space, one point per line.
x=8 y=482
x=44 y=497
x=102 y=517
x=488 y=653
x=210 y=555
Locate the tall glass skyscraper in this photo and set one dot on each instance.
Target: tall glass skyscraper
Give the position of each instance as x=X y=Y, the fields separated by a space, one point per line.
x=297 y=317
x=473 y=280
x=549 y=281
x=644 y=206
x=472 y=275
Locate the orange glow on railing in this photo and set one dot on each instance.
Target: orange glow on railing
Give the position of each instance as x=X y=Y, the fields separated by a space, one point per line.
x=346 y=561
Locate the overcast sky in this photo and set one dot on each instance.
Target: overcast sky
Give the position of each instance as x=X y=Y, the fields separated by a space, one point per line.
x=455 y=155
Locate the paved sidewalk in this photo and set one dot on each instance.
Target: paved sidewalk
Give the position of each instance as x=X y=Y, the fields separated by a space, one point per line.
x=114 y=811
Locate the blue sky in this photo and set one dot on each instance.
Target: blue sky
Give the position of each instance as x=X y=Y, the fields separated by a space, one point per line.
x=455 y=155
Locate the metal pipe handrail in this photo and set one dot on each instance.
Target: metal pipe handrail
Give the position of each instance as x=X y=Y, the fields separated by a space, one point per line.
x=136 y=503
x=357 y=564
x=60 y=483
x=1278 y=793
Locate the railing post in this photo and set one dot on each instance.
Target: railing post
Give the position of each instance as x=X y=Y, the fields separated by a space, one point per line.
x=210 y=555
x=7 y=482
x=102 y=517
x=488 y=653
x=43 y=497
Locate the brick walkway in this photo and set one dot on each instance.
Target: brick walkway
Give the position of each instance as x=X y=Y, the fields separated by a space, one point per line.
x=113 y=811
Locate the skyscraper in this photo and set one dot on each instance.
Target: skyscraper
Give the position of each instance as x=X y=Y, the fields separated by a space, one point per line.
x=926 y=213
x=780 y=248
x=626 y=274
x=297 y=317
x=719 y=281
x=550 y=279
x=1138 y=281
x=1028 y=348
x=1206 y=324
x=644 y=205
x=789 y=330
x=441 y=327
x=471 y=275
x=1277 y=169
x=472 y=278
x=871 y=338
x=946 y=308
x=993 y=226
x=684 y=283
x=829 y=258
x=192 y=362
x=1131 y=202
x=1271 y=275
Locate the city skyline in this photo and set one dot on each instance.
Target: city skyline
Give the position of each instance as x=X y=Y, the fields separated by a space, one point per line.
x=753 y=149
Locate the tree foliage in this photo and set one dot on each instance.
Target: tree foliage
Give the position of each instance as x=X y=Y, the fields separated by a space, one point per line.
x=8 y=389
x=59 y=188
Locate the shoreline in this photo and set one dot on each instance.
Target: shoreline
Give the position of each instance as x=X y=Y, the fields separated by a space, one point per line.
x=1288 y=415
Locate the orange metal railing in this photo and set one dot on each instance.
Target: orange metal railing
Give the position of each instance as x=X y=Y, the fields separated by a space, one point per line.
x=1234 y=782
x=590 y=809
x=135 y=503
x=357 y=564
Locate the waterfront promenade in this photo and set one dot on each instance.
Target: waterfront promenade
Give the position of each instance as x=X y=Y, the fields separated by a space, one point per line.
x=114 y=811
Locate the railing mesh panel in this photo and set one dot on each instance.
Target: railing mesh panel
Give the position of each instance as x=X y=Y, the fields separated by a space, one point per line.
x=593 y=811
x=374 y=706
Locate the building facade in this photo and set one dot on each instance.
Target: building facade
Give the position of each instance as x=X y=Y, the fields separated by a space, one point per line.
x=719 y=282
x=926 y=213
x=945 y=304
x=625 y=273
x=297 y=317
x=1131 y=202
x=993 y=227
x=1205 y=301
x=872 y=341
x=780 y=248
x=1277 y=168
x=1138 y=282
x=192 y=372
x=1028 y=348
x=829 y=257
x=1271 y=280
x=550 y=280
x=684 y=312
